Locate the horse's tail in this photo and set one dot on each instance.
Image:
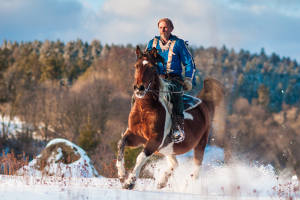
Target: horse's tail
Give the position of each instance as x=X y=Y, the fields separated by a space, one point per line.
x=213 y=94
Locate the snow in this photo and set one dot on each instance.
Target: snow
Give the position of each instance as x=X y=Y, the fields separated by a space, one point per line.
x=217 y=181
x=80 y=168
x=10 y=126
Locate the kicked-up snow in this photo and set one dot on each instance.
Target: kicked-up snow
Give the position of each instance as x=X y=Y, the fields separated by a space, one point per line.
x=217 y=181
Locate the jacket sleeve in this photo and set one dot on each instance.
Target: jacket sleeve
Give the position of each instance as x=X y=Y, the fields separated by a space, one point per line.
x=187 y=59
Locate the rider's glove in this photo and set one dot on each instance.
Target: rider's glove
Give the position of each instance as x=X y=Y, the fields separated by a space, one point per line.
x=187 y=84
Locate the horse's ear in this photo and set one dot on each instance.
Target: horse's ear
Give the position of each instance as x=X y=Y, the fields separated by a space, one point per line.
x=154 y=52
x=156 y=56
x=138 y=52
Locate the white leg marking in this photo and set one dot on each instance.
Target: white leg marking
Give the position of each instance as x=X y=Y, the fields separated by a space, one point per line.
x=196 y=172
x=172 y=163
x=140 y=161
x=121 y=169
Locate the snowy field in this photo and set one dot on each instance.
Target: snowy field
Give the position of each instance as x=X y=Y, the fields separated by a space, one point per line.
x=217 y=181
x=238 y=181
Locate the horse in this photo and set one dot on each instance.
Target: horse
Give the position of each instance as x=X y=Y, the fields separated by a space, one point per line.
x=149 y=121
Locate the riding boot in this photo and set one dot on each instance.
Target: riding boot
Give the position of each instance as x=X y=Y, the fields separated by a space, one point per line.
x=178 y=128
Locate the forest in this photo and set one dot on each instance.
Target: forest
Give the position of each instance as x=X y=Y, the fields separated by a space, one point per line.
x=81 y=91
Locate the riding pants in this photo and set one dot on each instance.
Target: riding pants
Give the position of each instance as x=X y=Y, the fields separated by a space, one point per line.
x=176 y=97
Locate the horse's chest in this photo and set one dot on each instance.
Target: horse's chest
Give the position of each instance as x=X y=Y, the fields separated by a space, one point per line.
x=146 y=122
x=149 y=120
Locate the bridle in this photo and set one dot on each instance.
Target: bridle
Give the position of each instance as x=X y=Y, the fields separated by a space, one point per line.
x=156 y=92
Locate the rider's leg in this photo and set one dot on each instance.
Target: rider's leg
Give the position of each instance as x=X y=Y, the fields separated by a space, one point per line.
x=177 y=112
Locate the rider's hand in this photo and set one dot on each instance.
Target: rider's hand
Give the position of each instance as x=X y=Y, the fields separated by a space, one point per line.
x=187 y=85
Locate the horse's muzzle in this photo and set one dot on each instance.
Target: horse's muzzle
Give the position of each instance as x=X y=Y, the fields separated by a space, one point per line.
x=139 y=91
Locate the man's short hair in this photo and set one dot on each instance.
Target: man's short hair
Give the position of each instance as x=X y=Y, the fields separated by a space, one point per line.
x=168 y=21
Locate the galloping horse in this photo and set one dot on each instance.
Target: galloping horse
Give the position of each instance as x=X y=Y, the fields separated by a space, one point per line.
x=149 y=121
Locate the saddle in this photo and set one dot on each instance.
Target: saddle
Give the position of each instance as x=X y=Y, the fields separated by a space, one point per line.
x=190 y=102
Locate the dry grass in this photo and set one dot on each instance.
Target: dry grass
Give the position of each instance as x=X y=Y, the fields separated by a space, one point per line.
x=10 y=163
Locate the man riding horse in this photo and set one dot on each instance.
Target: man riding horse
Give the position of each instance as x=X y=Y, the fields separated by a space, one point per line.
x=149 y=121
x=174 y=52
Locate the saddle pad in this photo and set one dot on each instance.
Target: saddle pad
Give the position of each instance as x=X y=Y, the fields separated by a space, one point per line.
x=190 y=102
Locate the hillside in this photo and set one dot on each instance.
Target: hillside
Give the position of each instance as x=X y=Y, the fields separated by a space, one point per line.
x=81 y=92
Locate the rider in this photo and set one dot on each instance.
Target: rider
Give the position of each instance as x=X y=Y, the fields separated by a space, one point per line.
x=174 y=51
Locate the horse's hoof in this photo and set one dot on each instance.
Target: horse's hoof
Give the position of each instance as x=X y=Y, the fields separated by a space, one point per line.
x=161 y=186
x=128 y=186
x=130 y=183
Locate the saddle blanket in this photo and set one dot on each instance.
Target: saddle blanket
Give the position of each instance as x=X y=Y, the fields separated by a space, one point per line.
x=190 y=102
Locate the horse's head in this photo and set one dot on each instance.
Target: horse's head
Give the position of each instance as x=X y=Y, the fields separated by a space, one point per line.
x=146 y=75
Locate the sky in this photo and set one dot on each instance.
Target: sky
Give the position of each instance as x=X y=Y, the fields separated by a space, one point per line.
x=239 y=24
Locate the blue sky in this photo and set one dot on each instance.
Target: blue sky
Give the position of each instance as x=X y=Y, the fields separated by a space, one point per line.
x=248 y=24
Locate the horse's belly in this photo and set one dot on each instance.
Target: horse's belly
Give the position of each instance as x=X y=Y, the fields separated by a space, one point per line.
x=181 y=149
x=176 y=149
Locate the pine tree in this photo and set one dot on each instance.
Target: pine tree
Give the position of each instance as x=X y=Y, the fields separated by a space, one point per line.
x=88 y=137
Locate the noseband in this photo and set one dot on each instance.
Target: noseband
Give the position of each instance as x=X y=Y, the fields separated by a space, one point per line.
x=145 y=91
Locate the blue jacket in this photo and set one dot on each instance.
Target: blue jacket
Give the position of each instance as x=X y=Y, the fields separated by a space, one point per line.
x=174 y=53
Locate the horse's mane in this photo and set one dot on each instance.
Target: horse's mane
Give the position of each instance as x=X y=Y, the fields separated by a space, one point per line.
x=164 y=86
x=164 y=91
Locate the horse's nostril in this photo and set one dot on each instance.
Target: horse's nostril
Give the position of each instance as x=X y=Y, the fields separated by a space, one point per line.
x=142 y=88
x=134 y=87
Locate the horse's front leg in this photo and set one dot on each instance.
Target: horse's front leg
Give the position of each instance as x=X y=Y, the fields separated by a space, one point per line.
x=131 y=140
x=140 y=161
x=150 y=147
x=120 y=158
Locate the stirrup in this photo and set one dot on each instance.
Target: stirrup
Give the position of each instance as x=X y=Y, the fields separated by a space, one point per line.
x=178 y=135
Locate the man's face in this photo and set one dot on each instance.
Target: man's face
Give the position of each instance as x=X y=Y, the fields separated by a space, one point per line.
x=164 y=30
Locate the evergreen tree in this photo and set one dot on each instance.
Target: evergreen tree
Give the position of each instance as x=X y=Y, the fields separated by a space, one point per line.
x=88 y=137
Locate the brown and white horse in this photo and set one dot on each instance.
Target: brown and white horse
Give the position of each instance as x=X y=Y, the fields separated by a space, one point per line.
x=149 y=121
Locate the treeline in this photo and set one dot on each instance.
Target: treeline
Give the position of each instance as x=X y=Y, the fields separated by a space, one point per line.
x=271 y=79
x=82 y=92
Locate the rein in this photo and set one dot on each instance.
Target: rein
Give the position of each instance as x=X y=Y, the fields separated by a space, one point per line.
x=156 y=92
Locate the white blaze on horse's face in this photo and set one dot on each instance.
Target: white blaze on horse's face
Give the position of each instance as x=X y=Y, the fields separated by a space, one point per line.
x=141 y=92
x=145 y=62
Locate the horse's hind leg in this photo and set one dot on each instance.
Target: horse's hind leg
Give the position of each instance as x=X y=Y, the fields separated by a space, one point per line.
x=128 y=139
x=198 y=155
x=172 y=163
